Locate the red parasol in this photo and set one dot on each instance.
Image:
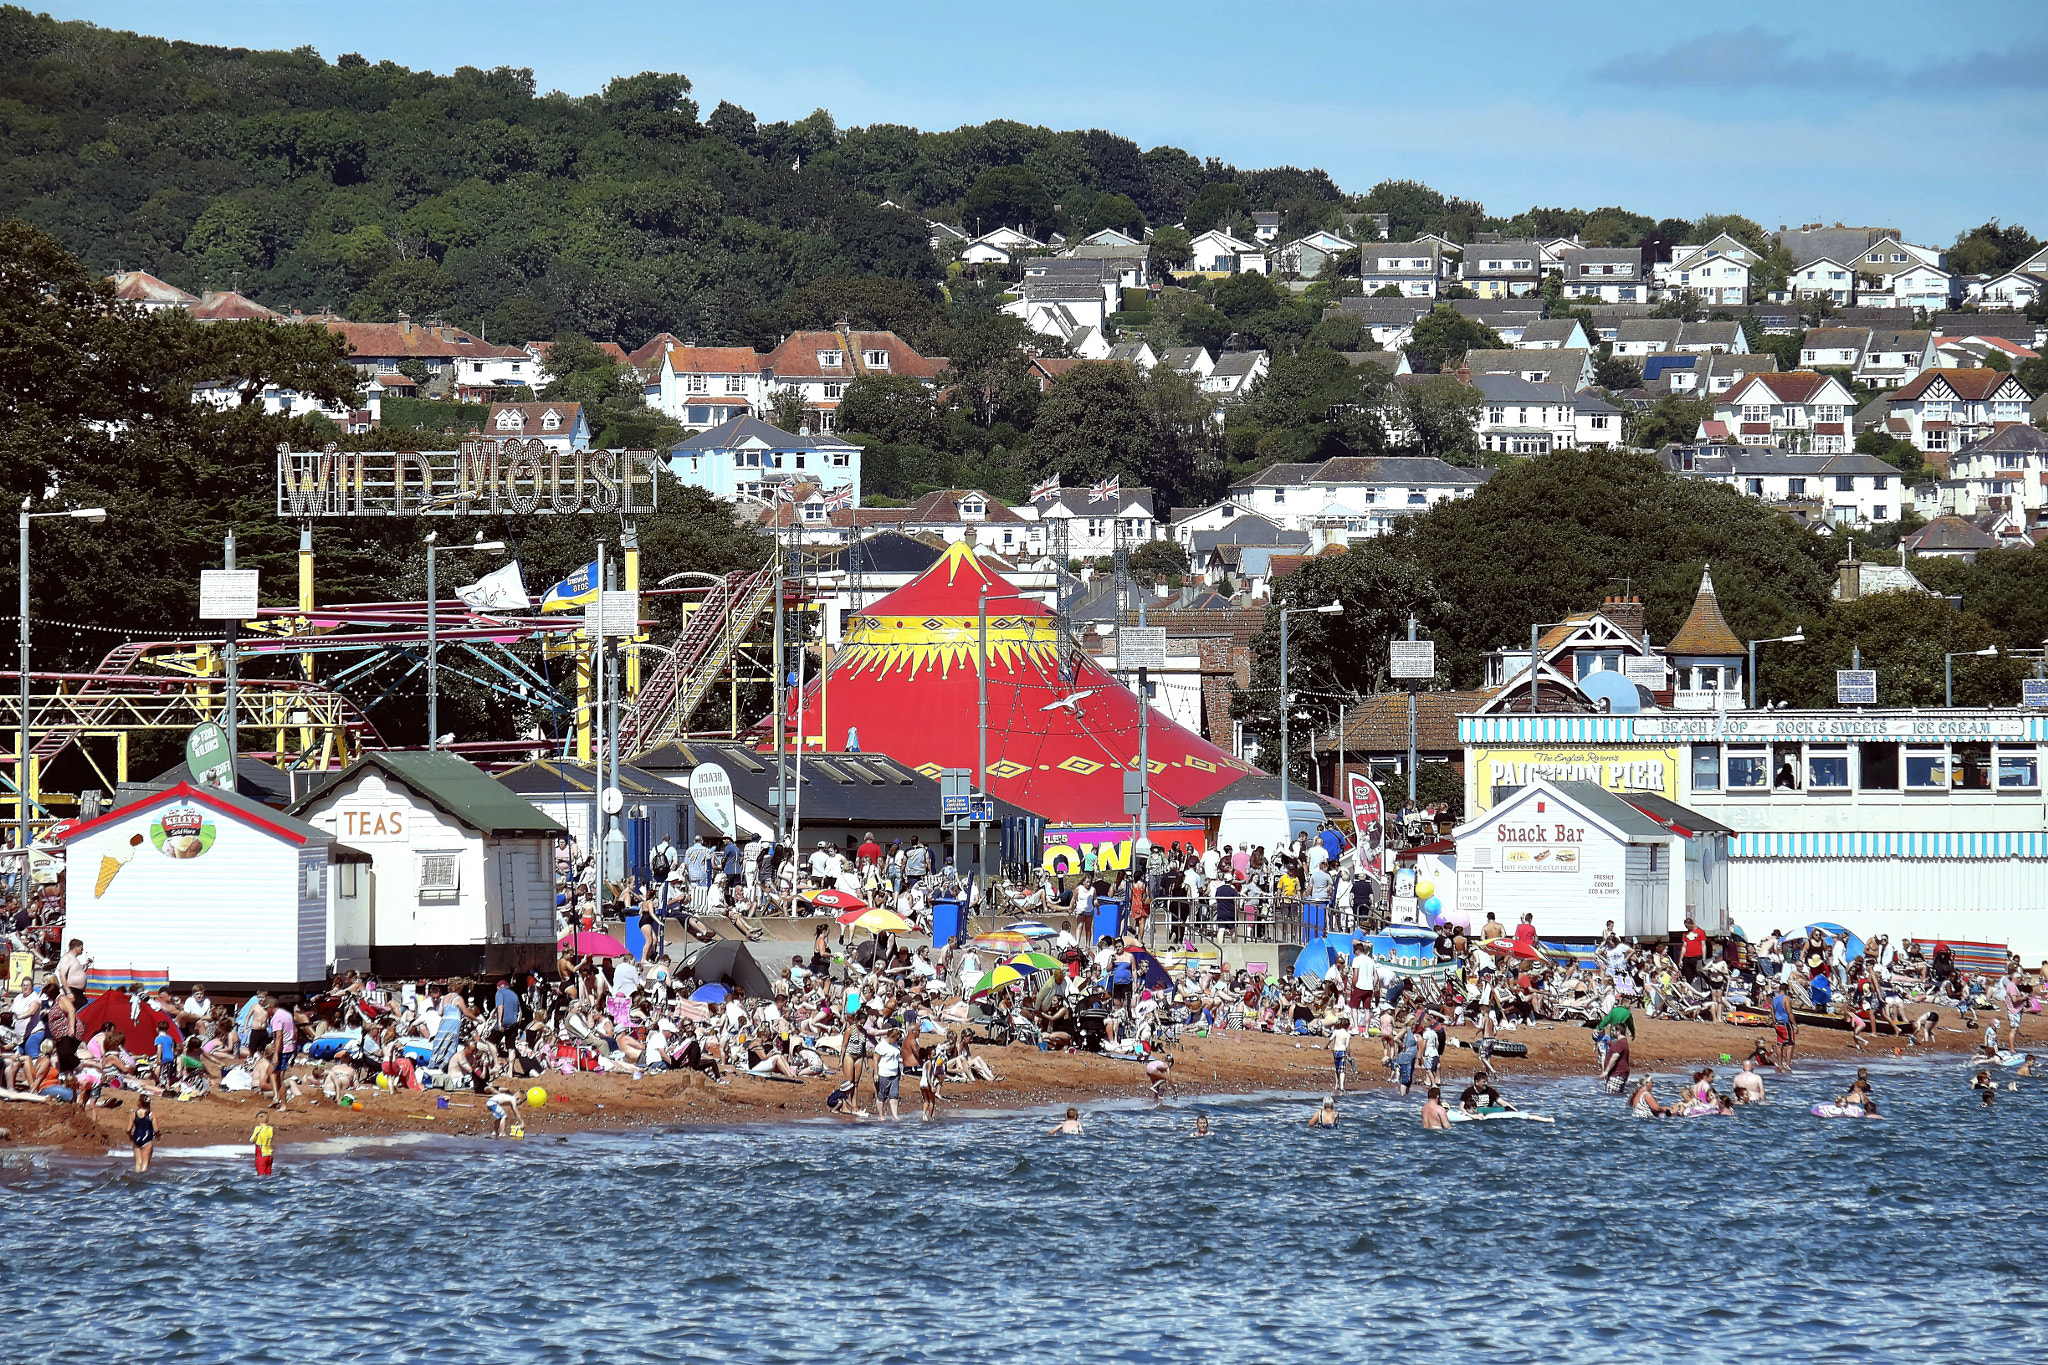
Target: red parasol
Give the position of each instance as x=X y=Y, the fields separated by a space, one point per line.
x=1513 y=948
x=834 y=899
x=136 y=1018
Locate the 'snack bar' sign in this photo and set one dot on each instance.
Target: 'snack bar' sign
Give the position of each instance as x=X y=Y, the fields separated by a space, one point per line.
x=481 y=478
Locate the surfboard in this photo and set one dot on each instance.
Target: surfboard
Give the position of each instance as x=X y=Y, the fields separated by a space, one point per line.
x=1487 y=1115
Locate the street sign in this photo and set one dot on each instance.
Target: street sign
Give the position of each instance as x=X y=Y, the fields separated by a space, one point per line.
x=956 y=785
x=2034 y=691
x=613 y=800
x=1855 y=687
x=207 y=756
x=613 y=613
x=982 y=809
x=954 y=805
x=1141 y=647
x=227 y=594
x=1411 y=659
x=711 y=794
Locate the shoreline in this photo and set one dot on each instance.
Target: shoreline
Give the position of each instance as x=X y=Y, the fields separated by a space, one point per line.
x=1221 y=1065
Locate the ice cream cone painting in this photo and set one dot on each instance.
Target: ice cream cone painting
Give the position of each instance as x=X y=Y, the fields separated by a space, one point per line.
x=112 y=863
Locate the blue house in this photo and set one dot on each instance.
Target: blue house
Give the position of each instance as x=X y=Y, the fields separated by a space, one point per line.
x=747 y=458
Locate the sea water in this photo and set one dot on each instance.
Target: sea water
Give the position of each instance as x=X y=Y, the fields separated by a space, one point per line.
x=1771 y=1235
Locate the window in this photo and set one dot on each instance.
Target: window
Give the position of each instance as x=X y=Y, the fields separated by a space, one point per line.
x=1417 y=499
x=1599 y=421
x=2018 y=766
x=1756 y=412
x=347 y=889
x=440 y=874
x=735 y=383
x=1926 y=769
x=829 y=360
x=1795 y=488
x=310 y=883
x=697 y=384
x=1881 y=482
x=1098 y=527
x=876 y=360
x=1748 y=767
x=1785 y=767
x=1755 y=487
x=824 y=424
x=840 y=459
x=1877 y=513
x=1827 y=767
x=1845 y=483
x=1279 y=496
x=835 y=391
x=1706 y=767
x=1496 y=415
x=1970 y=767
x=1880 y=765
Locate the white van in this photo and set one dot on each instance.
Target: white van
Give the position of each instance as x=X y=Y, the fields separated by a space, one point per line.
x=1266 y=824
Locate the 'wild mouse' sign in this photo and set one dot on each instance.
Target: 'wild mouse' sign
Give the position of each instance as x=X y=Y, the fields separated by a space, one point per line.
x=481 y=478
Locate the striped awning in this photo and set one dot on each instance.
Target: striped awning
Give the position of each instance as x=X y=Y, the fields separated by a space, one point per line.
x=1892 y=844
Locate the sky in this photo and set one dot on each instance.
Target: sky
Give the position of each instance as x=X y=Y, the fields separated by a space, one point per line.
x=1930 y=119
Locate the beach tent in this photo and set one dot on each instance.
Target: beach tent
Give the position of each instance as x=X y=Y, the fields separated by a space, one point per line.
x=1318 y=954
x=731 y=962
x=135 y=1018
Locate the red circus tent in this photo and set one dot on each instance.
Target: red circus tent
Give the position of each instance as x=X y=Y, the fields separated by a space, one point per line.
x=1061 y=730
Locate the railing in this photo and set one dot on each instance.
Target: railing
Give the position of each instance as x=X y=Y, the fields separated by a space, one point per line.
x=678 y=685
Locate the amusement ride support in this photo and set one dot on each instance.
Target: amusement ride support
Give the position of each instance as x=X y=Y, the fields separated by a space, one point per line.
x=24 y=778
x=481 y=546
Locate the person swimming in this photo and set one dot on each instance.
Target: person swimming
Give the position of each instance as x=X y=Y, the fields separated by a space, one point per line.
x=1201 y=1125
x=1434 y=1115
x=1070 y=1126
x=1325 y=1117
x=1643 y=1104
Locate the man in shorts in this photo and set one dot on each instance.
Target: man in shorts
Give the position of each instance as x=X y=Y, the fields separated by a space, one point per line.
x=1788 y=1032
x=1340 y=1049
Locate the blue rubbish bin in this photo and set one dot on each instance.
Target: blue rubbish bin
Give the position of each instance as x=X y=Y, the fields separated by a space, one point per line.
x=1109 y=918
x=949 y=917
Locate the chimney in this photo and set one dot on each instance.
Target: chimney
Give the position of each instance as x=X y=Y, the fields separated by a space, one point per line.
x=1464 y=373
x=1160 y=590
x=1852 y=579
x=405 y=324
x=1626 y=612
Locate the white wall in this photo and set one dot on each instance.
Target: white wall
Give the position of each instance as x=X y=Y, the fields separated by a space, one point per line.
x=2002 y=900
x=234 y=913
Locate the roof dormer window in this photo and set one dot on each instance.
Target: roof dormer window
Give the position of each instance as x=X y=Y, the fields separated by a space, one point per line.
x=973 y=507
x=511 y=419
x=550 y=420
x=876 y=360
x=829 y=360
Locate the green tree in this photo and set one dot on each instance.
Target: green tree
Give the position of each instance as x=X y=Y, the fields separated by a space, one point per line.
x=1902 y=635
x=1158 y=560
x=1991 y=249
x=1098 y=421
x=1314 y=405
x=1436 y=413
x=1172 y=248
x=1904 y=454
x=1615 y=373
x=1443 y=335
x=1219 y=204
x=1615 y=227
x=1118 y=211
x=1242 y=295
x=989 y=369
x=1674 y=417
x=1342 y=332
x=2008 y=587
x=1008 y=196
x=1388 y=291
x=1705 y=229
x=896 y=408
x=787 y=409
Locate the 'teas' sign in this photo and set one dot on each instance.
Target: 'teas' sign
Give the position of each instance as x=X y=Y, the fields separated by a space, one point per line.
x=482 y=478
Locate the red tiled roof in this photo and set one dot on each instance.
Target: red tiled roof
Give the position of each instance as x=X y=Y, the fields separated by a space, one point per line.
x=714 y=359
x=652 y=351
x=1969 y=385
x=139 y=286
x=797 y=356
x=533 y=419
x=413 y=340
x=230 y=307
x=1793 y=386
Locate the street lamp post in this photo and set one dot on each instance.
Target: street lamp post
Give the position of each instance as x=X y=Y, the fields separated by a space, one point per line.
x=1797 y=637
x=433 y=635
x=1948 y=669
x=22 y=760
x=1333 y=608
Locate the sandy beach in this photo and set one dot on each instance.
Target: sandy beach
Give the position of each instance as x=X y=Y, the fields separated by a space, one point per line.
x=1233 y=1063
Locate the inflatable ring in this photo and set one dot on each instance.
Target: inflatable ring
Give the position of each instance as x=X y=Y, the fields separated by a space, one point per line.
x=1501 y=1049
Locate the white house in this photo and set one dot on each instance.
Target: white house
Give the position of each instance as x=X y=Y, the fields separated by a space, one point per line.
x=817 y=366
x=1306 y=256
x=1843 y=490
x=1824 y=278
x=1946 y=410
x=1193 y=362
x=1216 y=252
x=1893 y=358
x=461 y=871
x=704 y=386
x=1368 y=491
x=1064 y=308
x=1095 y=526
x=558 y=426
x=1414 y=268
x=1569 y=366
x=1610 y=274
x=1499 y=270
x=1521 y=418
x=2015 y=289
x=749 y=459
x=998 y=247
x=1716 y=272
x=1550 y=334
x=211 y=886
x=1235 y=374
x=2007 y=471
x=1799 y=410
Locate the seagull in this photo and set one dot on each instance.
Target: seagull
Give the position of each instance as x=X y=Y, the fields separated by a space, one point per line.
x=1072 y=701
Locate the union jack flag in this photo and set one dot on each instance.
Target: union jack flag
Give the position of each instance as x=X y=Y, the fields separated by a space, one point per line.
x=1104 y=491
x=785 y=492
x=840 y=498
x=1050 y=488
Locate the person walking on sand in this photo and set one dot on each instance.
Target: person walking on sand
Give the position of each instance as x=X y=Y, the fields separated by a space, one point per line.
x=888 y=1072
x=264 y=1139
x=142 y=1135
x=1070 y=1126
x=1340 y=1049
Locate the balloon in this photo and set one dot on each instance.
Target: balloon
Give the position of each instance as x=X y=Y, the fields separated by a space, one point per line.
x=536 y=1097
x=1433 y=906
x=1425 y=888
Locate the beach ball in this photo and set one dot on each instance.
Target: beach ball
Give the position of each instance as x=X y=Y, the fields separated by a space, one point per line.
x=1433 y=906
x=1425 y=888
x=383 y=1082
x=536 y=1097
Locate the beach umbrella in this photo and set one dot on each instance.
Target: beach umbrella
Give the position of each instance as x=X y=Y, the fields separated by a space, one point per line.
x=1513 y=948
x=1037 y=960
x=1002 y=941
x=1002 y=975
x=877 y=920
x=1031 y=929
x=713 y=994
x=832 y=898
x=589 y=943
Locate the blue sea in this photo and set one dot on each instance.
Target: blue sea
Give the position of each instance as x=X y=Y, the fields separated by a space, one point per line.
x=1774 y=1235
